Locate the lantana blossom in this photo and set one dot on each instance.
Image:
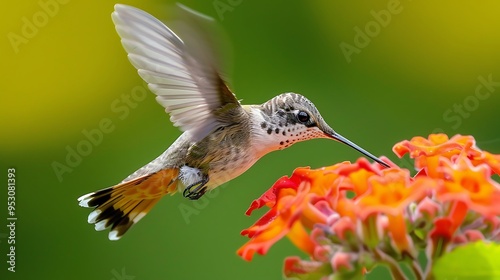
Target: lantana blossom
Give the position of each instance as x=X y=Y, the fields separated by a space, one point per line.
x=349 y=217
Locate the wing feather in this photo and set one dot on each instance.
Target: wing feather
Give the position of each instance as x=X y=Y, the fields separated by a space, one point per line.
x=186 y=82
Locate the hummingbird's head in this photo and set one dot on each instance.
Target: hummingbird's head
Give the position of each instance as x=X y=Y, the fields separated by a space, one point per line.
x=293 y=118
x=290 y=118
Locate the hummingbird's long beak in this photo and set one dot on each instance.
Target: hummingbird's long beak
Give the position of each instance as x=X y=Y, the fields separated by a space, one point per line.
x=346 y=141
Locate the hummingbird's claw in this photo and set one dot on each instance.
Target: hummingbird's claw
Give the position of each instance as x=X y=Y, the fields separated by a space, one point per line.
x=196 y=194
x=196 y=190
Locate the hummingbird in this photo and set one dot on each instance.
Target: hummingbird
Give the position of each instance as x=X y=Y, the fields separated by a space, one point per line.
x=221 y=138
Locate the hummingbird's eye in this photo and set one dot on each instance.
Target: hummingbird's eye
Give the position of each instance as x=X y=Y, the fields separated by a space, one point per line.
x=302 y=116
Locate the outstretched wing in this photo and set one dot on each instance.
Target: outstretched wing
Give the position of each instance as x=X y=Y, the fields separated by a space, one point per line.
x=184 y=78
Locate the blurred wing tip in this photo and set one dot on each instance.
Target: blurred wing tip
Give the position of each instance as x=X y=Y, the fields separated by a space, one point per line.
x=127 y=11
x=122 y=7
x=194 y=12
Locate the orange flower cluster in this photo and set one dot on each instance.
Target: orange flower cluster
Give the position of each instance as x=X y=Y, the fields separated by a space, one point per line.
x=350 y=217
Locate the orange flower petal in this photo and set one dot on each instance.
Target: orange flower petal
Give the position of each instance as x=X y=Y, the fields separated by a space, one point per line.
x=391 y=192
x=265 y=238
x=300 y=238
x=472 y=185
x=269 y=197
x=311 y=214
x=284 y=214
x=400 y=239
x=427 y=152
x=491 y=160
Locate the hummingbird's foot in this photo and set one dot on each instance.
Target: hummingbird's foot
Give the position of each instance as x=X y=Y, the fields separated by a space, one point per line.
x=196 y=190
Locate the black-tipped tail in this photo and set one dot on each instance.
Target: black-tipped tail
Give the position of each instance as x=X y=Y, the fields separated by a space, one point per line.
x=123 y=205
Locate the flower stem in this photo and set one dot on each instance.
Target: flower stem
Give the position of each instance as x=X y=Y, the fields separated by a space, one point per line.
x=417 y=270
x=396 y=271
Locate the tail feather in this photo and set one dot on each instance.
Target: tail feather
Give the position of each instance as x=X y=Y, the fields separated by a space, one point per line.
x=121 y=206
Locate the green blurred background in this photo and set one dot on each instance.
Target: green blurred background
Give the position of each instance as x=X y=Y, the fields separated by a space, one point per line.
x=64 y=68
